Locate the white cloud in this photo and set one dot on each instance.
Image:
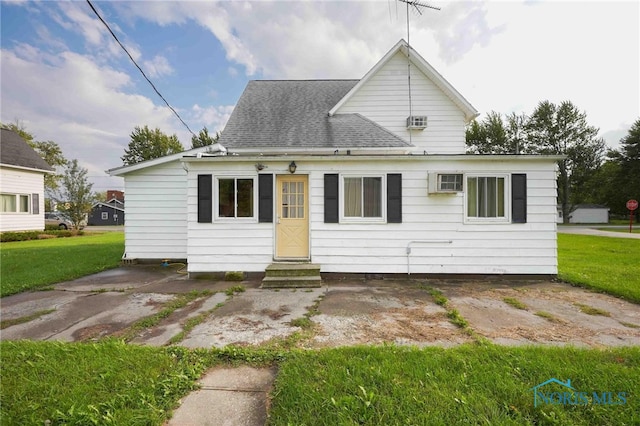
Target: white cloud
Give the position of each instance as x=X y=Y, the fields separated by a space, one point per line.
x=158 y=66
x=85 y=107
x=213 y=117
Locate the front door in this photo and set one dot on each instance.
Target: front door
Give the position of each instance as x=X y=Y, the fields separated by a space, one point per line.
x=292 y=217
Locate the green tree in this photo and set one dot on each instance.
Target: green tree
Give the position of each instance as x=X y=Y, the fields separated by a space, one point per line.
x=563 y=130
x=74 y=197
x=203 y=138
x=495 y=136
x=626 y=181
x=148 y=144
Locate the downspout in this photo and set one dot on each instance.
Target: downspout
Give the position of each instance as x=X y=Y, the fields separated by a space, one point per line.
x=422 y=242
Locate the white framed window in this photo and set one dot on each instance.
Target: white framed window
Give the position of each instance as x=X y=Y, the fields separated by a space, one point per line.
x=235 y=197
x=486 y=198
x=363 y=198
x=105 y=215
x=14 y=203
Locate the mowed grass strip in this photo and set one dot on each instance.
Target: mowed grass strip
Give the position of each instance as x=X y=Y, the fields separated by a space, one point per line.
x=470 y=384
x=87 y=384
x=29 y=265
x=608 y=265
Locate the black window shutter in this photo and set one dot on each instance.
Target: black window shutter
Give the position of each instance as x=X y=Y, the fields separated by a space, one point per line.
x=35 y=203
x=394 y=198
x=331 y=198
x=265 y=198
x=519 y=198
x=205 y=198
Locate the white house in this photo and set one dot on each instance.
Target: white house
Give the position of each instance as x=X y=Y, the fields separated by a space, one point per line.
x=22 y=173
x=349 y=175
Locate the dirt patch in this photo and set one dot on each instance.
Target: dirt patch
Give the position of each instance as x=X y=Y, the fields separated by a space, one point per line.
x=400 y=315
x=553 y=314
x=96 y=331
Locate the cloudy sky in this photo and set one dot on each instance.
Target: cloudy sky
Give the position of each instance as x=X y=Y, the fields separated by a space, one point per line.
x=65 y=79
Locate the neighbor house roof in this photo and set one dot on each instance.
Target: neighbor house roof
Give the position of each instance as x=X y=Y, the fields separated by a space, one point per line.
x=295 y=114
x=16 y=152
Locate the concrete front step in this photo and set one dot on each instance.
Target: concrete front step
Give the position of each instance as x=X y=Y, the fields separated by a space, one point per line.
x=292 y=270
x=291 y=282
x=291 y=275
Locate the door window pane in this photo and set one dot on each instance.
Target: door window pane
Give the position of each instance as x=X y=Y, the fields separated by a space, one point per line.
x=292 y=200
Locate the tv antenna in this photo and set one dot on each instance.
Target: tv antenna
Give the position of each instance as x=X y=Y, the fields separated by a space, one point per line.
x=416 y=6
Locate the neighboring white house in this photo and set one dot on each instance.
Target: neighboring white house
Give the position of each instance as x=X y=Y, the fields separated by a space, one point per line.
x=348 y=175
x=22 y=173
x=589 y=213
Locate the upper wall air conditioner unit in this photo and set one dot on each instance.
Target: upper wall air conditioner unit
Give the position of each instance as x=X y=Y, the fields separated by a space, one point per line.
x=417 y=122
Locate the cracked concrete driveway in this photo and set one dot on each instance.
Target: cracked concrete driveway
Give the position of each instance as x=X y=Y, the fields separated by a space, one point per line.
x=345 y=312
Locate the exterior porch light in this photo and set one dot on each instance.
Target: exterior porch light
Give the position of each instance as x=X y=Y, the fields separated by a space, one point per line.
x=292 y=167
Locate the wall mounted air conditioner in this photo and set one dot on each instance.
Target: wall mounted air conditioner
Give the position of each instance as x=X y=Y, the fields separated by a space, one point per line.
x=418 y=122
x=445 y=183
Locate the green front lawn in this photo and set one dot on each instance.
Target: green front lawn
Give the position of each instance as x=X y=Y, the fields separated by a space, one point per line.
x=29 y=265
x=115 y=383
x=469 y=384
x=609 y=265
x=93 y=384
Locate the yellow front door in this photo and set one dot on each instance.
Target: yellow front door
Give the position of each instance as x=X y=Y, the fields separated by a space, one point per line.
x=292 y=217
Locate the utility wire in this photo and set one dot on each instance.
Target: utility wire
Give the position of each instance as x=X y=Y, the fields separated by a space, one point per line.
x=138 y=66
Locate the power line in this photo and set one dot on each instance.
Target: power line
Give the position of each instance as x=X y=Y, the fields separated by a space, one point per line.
x=138 y=66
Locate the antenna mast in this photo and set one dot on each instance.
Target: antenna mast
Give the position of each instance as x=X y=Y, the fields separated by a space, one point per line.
x=417 y=6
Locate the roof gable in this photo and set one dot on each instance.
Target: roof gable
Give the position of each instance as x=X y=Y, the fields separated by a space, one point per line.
x=402 y=46
x=16 y=152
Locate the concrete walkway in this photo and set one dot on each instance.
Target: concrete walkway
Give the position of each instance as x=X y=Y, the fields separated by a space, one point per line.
x=227 y=397
x=584 y=230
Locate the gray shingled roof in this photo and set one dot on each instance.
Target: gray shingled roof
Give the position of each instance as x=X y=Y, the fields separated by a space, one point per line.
x=285 y=113
x=15 y=151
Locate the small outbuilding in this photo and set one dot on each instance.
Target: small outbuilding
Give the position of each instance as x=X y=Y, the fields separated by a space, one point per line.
x=589 y=213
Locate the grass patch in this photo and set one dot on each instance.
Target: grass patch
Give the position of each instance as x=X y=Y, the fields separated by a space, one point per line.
x=168 y=308
x=548 y=316
x=15 y=321
x=512 y=301
x=29 y=265
x=235 y=289
x=106 y=383
x=635 y=230
x=470 y=384
x=590 y=310
x=604 y=264
x=438 y=297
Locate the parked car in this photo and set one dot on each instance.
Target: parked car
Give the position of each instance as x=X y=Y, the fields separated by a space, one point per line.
x=58 y=220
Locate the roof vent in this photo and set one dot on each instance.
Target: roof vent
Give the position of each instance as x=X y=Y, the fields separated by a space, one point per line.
x=417 y=122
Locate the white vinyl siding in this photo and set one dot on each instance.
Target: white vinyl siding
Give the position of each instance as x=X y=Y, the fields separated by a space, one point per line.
x=428 y=223
x=17 y=187
x=156 y=224
x=384 y=99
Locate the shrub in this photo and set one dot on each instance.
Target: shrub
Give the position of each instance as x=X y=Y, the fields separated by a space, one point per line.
x=7 y=237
